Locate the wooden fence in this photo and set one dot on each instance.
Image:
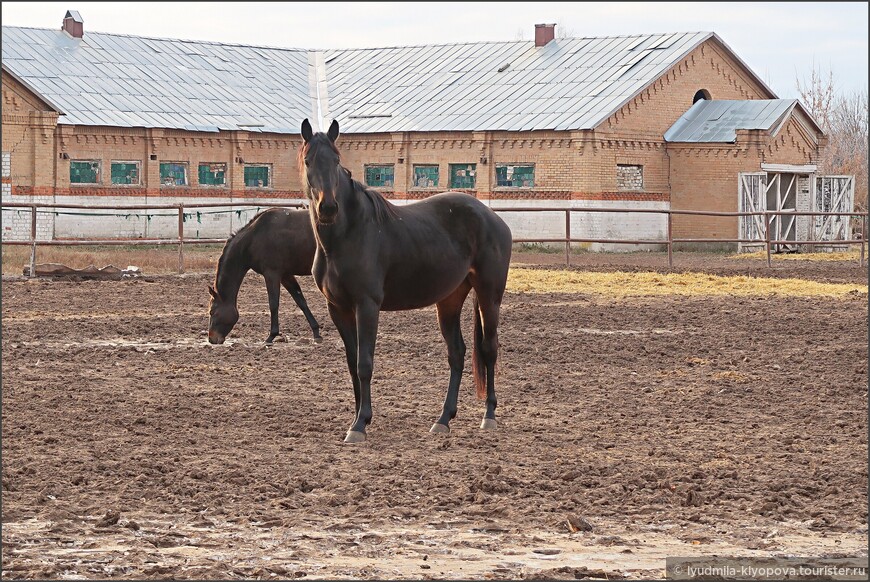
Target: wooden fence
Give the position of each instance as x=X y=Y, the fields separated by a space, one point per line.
x=567 y=239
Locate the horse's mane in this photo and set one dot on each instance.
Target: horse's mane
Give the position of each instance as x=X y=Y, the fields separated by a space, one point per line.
x=384 y=209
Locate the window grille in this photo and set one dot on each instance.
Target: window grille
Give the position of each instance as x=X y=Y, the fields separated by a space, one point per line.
x=84 y=172
x=515 y=176
x=380 y=176
x=173 y=174
x=212 y=174
x=463 y=176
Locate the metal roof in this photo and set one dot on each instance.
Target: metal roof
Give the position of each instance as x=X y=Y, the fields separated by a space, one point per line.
x=130 y=81
x=719 y=120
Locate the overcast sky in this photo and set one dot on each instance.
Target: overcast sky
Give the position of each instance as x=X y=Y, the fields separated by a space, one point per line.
x=781 y=41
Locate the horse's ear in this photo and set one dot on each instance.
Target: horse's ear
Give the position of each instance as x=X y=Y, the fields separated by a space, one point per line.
x=333 y=130
x=213 y=293
x=307 y=132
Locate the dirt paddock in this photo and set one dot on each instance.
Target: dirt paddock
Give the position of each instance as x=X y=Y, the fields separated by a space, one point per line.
x=661 y=426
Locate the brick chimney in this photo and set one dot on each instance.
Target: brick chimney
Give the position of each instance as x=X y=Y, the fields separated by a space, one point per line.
x=544 y=33
x=73 y=24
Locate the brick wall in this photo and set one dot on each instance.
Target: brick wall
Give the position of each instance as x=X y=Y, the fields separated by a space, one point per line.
x=579 y=167
x=705 y=176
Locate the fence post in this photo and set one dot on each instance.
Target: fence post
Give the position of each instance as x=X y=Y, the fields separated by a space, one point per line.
x=567 y=238
x=670 y=239
x=33 y=241
x=863 y=237
x=180 y=239
x=767 y=235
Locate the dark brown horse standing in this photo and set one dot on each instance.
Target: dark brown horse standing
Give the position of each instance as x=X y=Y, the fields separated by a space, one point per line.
x=374 y=256
x=277 y=243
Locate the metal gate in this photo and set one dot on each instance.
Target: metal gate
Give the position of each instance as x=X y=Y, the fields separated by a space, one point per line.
x=789 y=192
x=781 y=196
x=833 y=194
x=752 y=189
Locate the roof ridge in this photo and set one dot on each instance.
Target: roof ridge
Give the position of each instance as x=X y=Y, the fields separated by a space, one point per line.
x=269 y=47
x=166 y=38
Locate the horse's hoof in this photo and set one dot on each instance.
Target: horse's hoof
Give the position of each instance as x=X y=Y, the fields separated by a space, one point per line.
x=355 y=436
x=488 y=424
x=440 y=428
x=318 y=340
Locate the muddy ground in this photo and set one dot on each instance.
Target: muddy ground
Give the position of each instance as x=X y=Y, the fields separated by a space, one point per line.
x=665 y=426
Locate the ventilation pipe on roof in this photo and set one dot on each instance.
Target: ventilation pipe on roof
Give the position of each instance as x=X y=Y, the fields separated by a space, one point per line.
x=73 y=24
x=544 y=33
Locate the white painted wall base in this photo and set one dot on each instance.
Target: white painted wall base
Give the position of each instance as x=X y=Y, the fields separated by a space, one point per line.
x=221 y=222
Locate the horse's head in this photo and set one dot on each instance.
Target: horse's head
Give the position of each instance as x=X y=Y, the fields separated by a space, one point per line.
x=222 y=316
x=320 y=164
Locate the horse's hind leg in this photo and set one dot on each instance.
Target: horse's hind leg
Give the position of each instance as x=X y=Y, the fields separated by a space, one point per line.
x=489 y=354
x=449 y=311
x=273 y=287
x=292 y=285
x=487 y=307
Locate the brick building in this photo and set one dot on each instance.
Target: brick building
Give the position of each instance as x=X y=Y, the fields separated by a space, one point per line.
x=645 y=121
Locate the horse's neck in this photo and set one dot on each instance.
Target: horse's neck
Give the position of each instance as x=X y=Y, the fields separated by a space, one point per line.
x=234 y=266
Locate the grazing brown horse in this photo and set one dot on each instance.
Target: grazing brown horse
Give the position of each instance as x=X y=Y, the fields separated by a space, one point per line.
x=277 y=243
x=374 y=256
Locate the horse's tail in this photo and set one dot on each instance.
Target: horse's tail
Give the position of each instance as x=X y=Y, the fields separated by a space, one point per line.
x=478 y=367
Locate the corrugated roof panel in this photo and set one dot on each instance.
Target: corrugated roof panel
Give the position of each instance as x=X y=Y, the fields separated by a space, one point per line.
x=719 y=120
x=428 y=87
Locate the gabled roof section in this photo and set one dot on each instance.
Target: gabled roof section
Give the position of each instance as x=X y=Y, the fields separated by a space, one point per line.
x=717 y=121
x=567 y=84
x=129 y=81
x=36 y=93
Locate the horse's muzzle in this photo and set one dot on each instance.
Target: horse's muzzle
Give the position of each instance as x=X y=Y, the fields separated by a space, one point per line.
x=215 y=338
x=327 y=213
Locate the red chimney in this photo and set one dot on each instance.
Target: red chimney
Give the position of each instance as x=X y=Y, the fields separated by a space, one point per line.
x=73 y=24
x=544 y=33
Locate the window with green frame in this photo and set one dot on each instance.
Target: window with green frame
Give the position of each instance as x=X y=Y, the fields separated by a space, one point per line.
x=257 y=176
x=515 y=175
x=173 y=174
x=212 y=174
x=125 y=173
x=463 y=176
x=382 y=175
x=84 y=172
x=425 y=176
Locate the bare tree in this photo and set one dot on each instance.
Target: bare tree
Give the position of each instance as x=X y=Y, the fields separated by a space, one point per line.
x=844 y=119
x=563 y=32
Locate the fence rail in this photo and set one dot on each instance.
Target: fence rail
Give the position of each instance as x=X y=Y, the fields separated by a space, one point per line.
x=181 y=241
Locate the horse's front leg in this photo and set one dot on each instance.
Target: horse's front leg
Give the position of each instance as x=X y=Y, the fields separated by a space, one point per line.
x=345 y=323
x=367 y=314
x=273 y=287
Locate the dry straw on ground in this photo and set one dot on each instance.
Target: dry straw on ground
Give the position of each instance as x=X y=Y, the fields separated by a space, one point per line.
x=623 y=284
x=852 y=255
